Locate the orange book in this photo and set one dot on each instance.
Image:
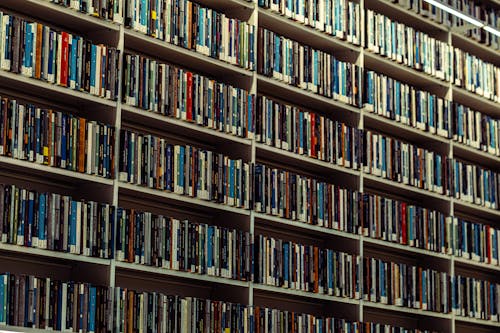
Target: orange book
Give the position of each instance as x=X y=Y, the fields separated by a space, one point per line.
x=131 y=307
x=81 y=145
x=38 y=51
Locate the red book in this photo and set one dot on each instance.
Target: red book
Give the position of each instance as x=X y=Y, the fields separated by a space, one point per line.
x=189 y=97
x=403 y=223
x=64 y=59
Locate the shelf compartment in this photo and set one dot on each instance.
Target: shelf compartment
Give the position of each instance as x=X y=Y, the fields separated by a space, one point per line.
x=304 y=233
x=392 y=128
x=240 y=9
x=190 y=59
x=36 y=255
x=101 y=30
x=400 y=317
x=476 y=265
x=476 y=156
x=480 y=50
x=59 y=266
x=406 y=192
x=170 y=282
x=404 y=249
x=408 y=17
x=476 y=102
x=308 y=165
x=191 y=131
x=476 y=322
x=302 y=301
x=176 y=200
x=405 y=74
x=402 y=309
x=320 y=40
x=14 y=171
x=469 y=210
x=60 y=95
x=341 y=111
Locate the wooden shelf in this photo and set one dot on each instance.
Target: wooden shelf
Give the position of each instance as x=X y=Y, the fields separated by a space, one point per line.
x=405 y=74
x=302 y=294
x=475 y=264
x=399 y=13
x=476 y=102
x=173 y=199
x=180 y=128
x=42 y=255
x=475 y=155
x=61 y=95
x=407 y=133
x=403 y=249
x=475 y=321
x=270 y=221
x=346 y=176
x=188 y=58
x=97 y=29
x=163 y=273
x=477 y=211
x=301 y=97
x=317 y=39
x=478 y=49
x=410 y=311
x=8 y=328
x=434 y=200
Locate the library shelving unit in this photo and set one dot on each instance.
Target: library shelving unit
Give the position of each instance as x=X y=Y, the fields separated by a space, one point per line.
x=24 y=260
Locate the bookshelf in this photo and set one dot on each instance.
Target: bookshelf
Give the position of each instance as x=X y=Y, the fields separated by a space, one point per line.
x=111 y=272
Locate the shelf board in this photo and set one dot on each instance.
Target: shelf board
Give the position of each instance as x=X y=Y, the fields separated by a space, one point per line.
x=172 y=199
x=307 y=164
x=382 y=124
x=93 y=27
x=473 y=210
x=301 y=227
x=59 y=94
x=164 y=273
x=436 y=201
x=404 y=248
x=47 y=172
x=478 y=49
x=285 y=26
x=408 y=17
x=303 y=294
x=301 y=97
x=476 y=102
x=477 y=156
x=188 y=58
x=20 y=329
x=240 y=9
x=180 y=127
x=406 y=310
x=405 y=74
x=475 y=264
x=38 y=255
x=475 y=321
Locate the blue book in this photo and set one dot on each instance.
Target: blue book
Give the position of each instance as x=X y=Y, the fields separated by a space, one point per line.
x=169 y=168
x=210 y=239
x=424 y=287
x=3 y=294
x=250 y=124
x=231 y=178
x=494 y=248
x=329 y=268
x=73 y=57
x=383 y=292
x=28 y=48
x=93 y=61
x=92 y=309
x=72 y=225
x=41 y=217
x=181 y=166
